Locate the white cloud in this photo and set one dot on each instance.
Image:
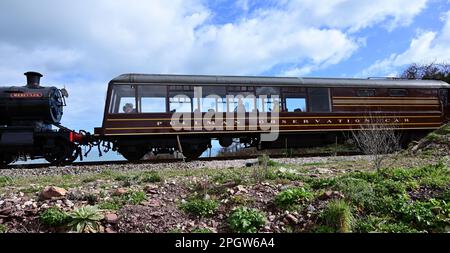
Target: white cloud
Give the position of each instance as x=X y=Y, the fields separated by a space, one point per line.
x=426 y=47
x=86 y=43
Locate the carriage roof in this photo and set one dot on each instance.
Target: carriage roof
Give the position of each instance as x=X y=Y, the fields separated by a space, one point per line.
x=277 y=81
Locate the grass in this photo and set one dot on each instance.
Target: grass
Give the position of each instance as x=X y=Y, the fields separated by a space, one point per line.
x=338 y=216
x=3 y=228
x=116 y=202
x=5 y=181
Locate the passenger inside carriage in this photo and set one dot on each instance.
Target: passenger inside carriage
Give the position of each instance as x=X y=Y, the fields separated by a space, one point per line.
x=129 y=108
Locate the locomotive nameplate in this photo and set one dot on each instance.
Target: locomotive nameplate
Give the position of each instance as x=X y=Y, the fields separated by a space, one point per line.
x=26 y=95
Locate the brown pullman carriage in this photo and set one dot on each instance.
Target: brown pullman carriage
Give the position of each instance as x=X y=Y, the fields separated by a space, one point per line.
x=140 y=110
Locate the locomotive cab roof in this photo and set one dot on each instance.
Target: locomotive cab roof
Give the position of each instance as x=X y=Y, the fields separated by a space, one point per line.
x=277 y=81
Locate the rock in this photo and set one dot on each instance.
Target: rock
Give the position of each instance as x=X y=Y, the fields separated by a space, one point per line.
x=291 y=218
x=110 y=231
x=241 y=188
x=323 y=171
x=50 y=192
x=331 y=194
x=119 y=192
x=111 y=218
x=311 y=209
x=271 y=218
x=6 y=211
x=68 y=203
x=151 y=188
x=152 y=203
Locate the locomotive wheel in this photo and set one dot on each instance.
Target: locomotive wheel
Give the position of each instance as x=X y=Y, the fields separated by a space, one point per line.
x=194 y=151
x=6 y=159
x=64 y=153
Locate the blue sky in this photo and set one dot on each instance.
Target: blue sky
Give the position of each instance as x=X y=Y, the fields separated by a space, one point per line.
x=83 y=44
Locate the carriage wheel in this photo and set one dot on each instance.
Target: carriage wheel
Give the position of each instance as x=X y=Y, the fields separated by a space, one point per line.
x=63 y=153
x=134 y=154
x=193 y=151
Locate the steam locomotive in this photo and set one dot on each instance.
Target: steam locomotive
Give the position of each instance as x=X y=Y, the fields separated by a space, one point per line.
x=28 y=115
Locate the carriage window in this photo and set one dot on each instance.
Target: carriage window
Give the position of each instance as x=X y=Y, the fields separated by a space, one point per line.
x=213 y=99
x=296 y=104
x=241 y=98
x=123 y=99
x=180 y=103
x=319 y=100
x=152 y=98
x=397 y=92
x=366 y=93
x=268 y=99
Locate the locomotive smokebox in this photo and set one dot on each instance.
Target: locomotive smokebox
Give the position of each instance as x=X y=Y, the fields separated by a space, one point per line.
x=33 y=79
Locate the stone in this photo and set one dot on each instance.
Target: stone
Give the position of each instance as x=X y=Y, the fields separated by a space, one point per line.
x=291 y=218
x=271 y=218
x=152 y=203
x=151 y=188
x=119 y=192
x=110 y=231
x=111 y=218
x=241 y=188
x=50 y=192
x=311 y=209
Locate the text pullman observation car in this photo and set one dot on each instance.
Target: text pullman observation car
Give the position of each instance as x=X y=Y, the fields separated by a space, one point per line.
x=310 y=111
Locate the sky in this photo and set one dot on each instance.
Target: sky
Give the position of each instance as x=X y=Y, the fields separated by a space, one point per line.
x=82 y=44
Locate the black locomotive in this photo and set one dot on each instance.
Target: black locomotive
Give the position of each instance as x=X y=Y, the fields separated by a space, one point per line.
x=27 y=117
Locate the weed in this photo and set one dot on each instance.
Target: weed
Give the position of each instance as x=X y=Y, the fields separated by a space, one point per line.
x=134 y=198
x=358 y=191
x=150 y=177
x=338 y=215
x=5 y=181
x=200 y=207
x=54 y=217
x=289 y=198
x=246 y=220
x=3 y=228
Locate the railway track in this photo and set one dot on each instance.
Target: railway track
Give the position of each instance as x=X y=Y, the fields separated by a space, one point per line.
x=174 y=160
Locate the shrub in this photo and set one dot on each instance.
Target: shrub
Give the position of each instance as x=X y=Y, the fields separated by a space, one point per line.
x=3 y=228
x=291 y=197
x=54 y=217
x=246 y=220
x=321 y=183
x=200 y=207
x=151 y=177
x=358 y=191
x=85 y=219
x=338 y=215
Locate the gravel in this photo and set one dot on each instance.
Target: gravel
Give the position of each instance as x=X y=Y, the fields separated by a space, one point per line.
x=77 y=170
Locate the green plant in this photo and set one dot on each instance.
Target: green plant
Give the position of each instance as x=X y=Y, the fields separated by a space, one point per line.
x=4 y=181
x=201 y=230
x=321 y=183
x=228 y=176
x=246 y=220
x=85 y=219
x=150 y=177
x=114 y=203
x=3 y=228
x=134 y=198
x=54 y=217
x=358 y=191
x=382 y=224
x=200 y=207
x=264 y=160
x=338 y=215
x=291 y=197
